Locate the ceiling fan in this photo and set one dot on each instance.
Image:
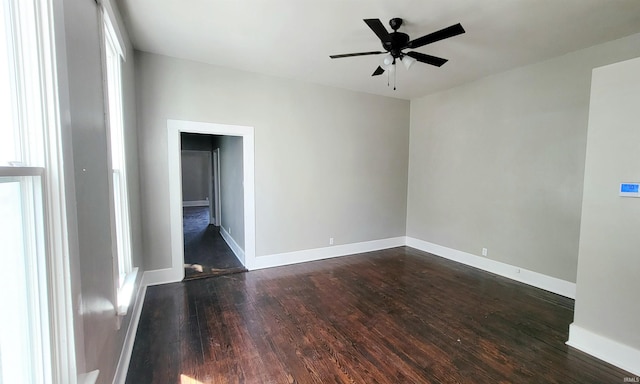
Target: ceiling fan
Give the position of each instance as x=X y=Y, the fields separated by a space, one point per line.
x=395 y=42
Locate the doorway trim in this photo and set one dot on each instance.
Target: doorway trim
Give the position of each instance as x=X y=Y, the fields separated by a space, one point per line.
x=174 y=129
x=217 y=205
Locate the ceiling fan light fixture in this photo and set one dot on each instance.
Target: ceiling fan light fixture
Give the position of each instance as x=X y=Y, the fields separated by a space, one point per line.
x=408 y=61
x=387 y=60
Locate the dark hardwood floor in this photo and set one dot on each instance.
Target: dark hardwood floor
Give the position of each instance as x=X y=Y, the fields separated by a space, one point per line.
x=393 y=316
x=205 y=247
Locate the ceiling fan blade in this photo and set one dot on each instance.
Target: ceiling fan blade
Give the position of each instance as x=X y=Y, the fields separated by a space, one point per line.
x=356 y=54
x=445 y=33
x=428 y=59
x=378 y=71
x=377 y=27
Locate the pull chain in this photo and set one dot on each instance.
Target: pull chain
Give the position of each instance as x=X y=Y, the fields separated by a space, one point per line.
x=394 y=78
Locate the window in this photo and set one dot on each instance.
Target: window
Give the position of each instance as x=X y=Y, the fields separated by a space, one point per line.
x=121 y=228
x=35 y=342
x=24 y=336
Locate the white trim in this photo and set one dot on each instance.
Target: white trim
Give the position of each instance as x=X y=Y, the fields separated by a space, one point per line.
x=231 y=242
x=217 y=206
x=196 y=203
x=162 y=276
x=174 y=160
x=55 y=99
x=122 y=368
x=538 y=280
x=114 y=25
x=125 y=293
x=295 y=257
x=603 y=348
x=210 y=198
x=89 y=377
x=174 y=128
x=111 y=55
x=21 y=171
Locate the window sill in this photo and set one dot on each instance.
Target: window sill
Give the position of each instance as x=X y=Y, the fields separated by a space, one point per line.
x=125 y=293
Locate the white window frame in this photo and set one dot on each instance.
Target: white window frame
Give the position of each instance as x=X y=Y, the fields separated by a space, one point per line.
x=124 y=272
x=37 y=119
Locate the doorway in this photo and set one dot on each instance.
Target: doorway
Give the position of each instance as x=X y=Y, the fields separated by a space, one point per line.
x=209 y=184
x=234 y=218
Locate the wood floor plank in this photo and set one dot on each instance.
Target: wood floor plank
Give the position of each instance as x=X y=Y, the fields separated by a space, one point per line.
x=392 y=316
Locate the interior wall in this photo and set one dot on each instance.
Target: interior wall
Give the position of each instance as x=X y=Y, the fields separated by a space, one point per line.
x=102 y=343
x=231 y=187
x=195 y=167
x=607 y=289
x=499 y=163
x=329 y=162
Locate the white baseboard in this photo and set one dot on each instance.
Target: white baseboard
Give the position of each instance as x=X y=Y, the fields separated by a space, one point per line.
x=162 y=276
x=538 y=280
x=196 y=203
x=603 y=348
x=127 y=346
x=237 y=250
x=295 y=257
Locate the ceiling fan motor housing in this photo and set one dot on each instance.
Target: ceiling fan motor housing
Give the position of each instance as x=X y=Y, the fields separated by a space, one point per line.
x=395 y=42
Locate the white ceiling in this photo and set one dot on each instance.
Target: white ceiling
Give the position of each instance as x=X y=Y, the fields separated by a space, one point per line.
x=294 y=38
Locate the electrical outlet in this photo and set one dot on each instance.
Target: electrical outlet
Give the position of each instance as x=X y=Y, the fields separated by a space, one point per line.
x=331 y=241
x=484 y=251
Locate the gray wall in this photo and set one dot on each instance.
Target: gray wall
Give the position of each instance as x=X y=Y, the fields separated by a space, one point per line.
x=231 y=187
x=195 y=175
x=607 y=289
x=329 y=162
x=88 y=153
x=499 y=163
